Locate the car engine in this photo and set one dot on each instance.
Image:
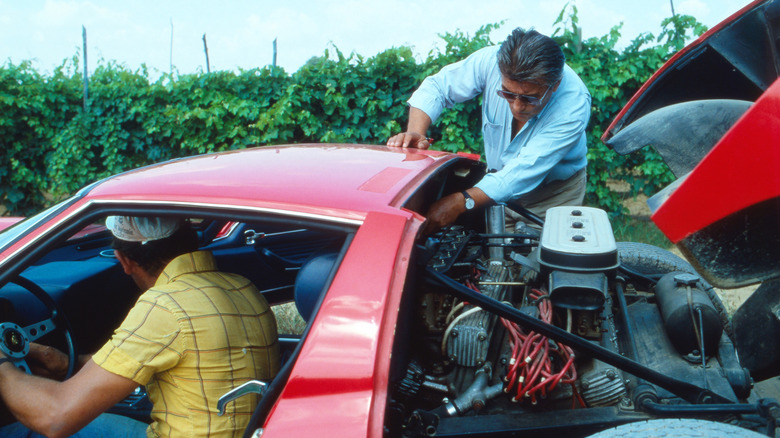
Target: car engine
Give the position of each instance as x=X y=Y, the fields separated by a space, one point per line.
x=562 y=327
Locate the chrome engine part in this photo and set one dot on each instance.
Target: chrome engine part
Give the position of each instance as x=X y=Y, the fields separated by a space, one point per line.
x=601 y=384
x=468 y=338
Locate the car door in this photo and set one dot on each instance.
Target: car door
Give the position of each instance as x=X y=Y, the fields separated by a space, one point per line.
x=338 y=383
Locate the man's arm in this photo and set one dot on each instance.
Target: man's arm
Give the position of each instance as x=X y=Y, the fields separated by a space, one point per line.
x=58 y=409
x=416 y=130
x=455 y=83
x=447 y=209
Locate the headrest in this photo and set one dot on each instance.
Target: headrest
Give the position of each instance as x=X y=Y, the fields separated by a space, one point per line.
x=310 y=282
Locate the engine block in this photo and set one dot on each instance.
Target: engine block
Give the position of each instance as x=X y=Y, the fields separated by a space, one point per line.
x=469 y=338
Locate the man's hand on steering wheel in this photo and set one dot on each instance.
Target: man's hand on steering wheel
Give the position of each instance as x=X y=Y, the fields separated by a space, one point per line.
x=16 y=342
x=47 y=362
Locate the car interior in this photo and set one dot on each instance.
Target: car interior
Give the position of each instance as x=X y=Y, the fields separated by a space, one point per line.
x=78 y=279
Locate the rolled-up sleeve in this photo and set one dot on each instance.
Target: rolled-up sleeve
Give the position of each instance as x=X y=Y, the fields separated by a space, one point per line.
x=455 y=83
x=147 y=342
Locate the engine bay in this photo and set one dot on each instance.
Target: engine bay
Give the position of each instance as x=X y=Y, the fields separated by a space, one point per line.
x=560 y=329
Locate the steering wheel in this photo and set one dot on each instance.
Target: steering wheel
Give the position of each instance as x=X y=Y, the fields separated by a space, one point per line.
x=15 y=340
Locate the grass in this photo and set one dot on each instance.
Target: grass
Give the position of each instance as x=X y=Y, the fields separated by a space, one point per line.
x=629 y=228
x=288 y=320
x=635 y=225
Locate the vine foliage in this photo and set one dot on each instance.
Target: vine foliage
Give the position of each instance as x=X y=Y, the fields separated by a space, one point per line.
x=52 y=145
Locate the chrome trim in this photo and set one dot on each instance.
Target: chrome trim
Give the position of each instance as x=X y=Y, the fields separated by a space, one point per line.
x=260 y=235
x=289 y=339
x=273 y=289
x=252 y=387
x=232 y=207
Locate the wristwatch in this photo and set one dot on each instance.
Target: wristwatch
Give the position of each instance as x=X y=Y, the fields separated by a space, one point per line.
x=469 y=200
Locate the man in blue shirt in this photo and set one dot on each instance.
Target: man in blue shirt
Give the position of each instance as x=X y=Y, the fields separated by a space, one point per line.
x=534 y=113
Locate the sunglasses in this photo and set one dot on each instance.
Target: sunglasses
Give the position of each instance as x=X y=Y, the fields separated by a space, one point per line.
x=526 y=100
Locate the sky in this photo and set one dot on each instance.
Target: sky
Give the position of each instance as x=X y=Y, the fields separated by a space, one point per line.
x=239 y=33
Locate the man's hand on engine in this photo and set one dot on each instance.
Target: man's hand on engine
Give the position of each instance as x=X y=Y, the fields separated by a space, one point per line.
x=446 y=210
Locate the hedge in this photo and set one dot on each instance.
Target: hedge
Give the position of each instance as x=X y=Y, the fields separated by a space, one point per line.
x=52 y=145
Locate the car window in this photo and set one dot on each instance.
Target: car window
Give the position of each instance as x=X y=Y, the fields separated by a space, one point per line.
x=79 y=268
x=14 y=232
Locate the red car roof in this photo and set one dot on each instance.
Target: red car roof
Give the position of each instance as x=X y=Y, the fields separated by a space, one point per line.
x=6 y=222
x=336 y=180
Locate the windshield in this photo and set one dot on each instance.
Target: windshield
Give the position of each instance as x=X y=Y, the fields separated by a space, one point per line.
x=16 y=231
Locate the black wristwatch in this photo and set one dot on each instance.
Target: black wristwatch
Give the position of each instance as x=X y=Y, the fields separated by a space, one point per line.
x=469 y=200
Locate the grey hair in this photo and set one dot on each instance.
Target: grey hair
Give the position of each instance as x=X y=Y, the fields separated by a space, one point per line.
x=531 y=57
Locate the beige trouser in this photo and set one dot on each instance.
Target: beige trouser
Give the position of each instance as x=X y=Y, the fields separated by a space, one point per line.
x=556 y=193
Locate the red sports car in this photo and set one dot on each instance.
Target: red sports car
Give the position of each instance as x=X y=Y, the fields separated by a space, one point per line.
x=470 y=331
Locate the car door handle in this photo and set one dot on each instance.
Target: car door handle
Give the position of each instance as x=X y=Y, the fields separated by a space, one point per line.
x=251 y=387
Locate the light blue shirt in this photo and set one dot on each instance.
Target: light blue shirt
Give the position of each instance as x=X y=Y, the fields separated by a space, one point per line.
x=550 y=146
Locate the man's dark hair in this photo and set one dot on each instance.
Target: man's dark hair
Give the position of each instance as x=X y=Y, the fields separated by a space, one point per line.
x=154 y=255
x=531 y=57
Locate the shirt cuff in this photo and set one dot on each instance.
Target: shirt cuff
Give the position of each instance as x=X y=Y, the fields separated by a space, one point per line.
x=427 y=104
x=120 y=363
x=494 y=188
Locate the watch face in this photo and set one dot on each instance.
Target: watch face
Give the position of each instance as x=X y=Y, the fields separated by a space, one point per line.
x=469 y=203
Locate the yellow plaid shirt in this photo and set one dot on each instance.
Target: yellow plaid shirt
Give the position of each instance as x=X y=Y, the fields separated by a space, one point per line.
x=195 y=335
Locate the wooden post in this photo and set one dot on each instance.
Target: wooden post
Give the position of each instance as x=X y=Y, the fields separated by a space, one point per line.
x=86 y=74
x=171 y=51
x=274 y=60
x=206 y=49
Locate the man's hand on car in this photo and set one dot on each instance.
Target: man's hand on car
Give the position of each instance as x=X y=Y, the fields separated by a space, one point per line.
x=409 y=140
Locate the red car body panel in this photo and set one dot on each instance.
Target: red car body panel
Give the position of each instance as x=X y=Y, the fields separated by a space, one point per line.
x=341 y=375
x=342 y=182
x=742 y=168
x=712 y=113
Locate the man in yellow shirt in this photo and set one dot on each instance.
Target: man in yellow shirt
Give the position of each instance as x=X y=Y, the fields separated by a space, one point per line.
x=195 y=334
